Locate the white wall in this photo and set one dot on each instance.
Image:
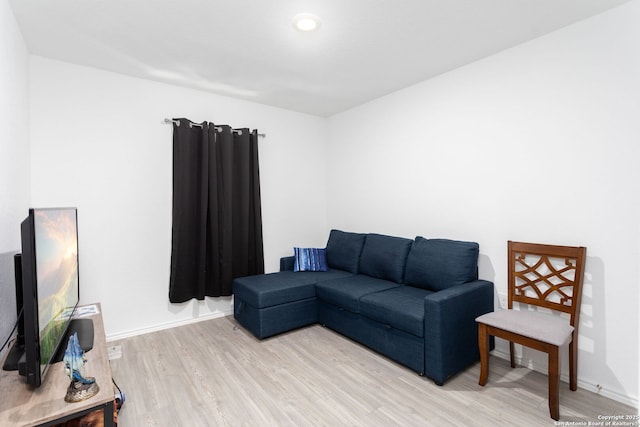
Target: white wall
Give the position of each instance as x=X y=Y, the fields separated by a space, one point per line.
x=98 y=143
x=14 y=155
x=473 y=155
x=14 y=130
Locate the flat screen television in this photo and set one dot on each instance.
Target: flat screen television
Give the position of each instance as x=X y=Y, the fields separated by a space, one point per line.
x=50 y=287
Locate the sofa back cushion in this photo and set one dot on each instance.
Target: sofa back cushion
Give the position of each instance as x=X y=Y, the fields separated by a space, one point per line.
x=437 y=264
x=344 y=249
x=384 y=257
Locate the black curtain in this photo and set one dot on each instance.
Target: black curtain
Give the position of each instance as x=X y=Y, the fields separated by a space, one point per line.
x=217 y=219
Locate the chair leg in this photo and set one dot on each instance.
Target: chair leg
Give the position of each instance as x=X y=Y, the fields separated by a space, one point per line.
x=483 y=347
x=511 y=354
x=554 y=383
x=573 y=365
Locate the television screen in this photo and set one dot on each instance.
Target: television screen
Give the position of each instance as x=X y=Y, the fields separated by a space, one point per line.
x=50 y=286
x=56 y=247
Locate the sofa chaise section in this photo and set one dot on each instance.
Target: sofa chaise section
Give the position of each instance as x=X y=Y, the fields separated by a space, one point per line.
x=269 y=304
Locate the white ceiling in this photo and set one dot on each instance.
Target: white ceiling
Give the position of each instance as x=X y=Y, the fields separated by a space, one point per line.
x=249 y=49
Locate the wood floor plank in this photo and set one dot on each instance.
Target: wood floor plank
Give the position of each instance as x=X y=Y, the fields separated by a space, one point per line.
x=215 y=373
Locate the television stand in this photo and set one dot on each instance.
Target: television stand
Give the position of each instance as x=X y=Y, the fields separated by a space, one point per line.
x=24 y=405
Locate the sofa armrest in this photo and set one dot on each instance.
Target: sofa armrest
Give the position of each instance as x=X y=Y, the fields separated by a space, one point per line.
x=286 y=263
x=450 y=329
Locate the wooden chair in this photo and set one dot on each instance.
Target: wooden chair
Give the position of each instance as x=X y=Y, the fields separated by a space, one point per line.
x=544 y=276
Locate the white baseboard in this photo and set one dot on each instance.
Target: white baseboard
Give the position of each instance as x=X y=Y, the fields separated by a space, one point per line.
x=168 y=325
x=585 y=385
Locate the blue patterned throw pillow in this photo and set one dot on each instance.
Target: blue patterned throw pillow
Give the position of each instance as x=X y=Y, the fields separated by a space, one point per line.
x=310 y=259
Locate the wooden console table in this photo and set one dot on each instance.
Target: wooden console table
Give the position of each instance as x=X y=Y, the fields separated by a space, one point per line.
x=23 y=405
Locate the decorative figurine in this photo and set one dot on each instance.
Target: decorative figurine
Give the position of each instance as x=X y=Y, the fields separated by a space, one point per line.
x=81 y=387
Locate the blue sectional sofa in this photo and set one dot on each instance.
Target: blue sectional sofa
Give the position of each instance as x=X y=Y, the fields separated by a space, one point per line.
x=414 y=301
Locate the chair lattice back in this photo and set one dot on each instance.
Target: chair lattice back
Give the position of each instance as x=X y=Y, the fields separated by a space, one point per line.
x=546 y=276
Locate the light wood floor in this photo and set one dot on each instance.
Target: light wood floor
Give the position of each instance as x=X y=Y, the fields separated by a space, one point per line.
x=214 y=373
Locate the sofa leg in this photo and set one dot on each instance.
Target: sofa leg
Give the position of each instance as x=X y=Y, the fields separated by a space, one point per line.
x=439 y=383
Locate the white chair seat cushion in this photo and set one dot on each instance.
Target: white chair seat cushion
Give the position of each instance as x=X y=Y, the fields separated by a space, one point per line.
x=540 y=326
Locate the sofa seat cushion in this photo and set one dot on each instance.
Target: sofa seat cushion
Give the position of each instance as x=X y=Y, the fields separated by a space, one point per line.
x=266 y=290
x=346 y=292
x=401 y=308
x=384 y=257
x=437 y=264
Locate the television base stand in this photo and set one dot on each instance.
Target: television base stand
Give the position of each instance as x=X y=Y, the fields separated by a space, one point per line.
x=12 y=361
x=84 y=328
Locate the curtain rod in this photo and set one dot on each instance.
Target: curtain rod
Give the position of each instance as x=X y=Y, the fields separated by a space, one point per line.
x=217 y=128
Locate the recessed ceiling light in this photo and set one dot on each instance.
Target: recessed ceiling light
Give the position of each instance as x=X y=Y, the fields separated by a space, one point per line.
x=306 y=22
